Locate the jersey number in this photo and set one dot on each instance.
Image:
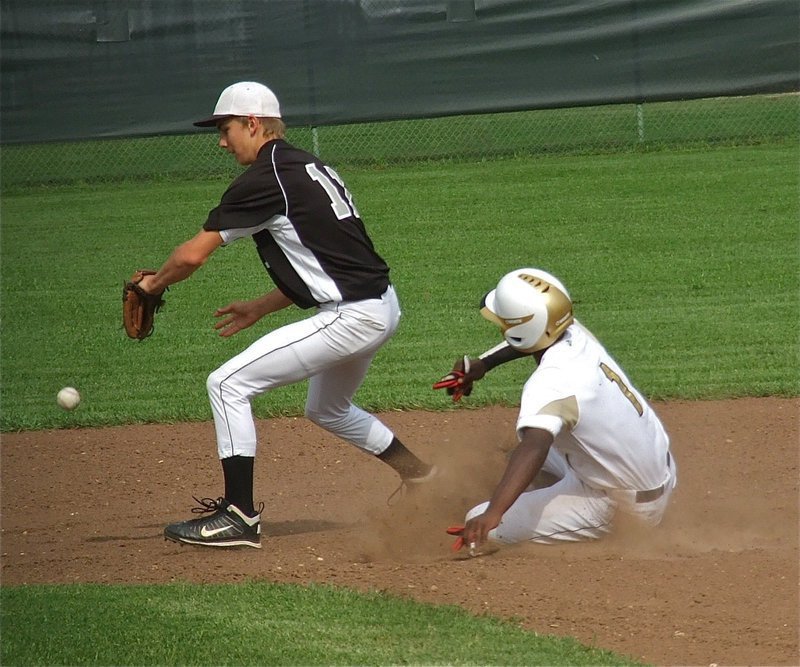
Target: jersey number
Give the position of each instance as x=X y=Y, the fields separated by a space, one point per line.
x=342 y=208
x=627 y=393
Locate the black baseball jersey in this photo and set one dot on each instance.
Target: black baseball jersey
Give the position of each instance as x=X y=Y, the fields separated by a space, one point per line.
x=305 y=225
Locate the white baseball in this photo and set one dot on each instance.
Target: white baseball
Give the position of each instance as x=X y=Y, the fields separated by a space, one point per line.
x=68 y=398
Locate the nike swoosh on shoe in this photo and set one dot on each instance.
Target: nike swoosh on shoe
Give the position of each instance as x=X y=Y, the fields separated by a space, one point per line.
x=205 y=532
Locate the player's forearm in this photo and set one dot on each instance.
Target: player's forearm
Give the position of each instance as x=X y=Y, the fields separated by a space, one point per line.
x=272 y=302
x=500 y=354
x=185 y=260
x=523 y=466
x=175 y=269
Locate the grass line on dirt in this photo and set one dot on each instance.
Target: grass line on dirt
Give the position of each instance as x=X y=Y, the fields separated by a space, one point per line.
x=261 y=624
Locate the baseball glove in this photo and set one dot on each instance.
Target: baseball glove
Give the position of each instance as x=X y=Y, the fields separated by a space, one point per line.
x=138 y=307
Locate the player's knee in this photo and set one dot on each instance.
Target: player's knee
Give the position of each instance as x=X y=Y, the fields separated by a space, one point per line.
x=213 y=384
x=218 y=383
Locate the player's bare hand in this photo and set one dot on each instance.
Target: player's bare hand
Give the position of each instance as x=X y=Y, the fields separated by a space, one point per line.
x=458 y=382
x=240 y=315
x=147 y=283
x=474 y=533
x=476 y=530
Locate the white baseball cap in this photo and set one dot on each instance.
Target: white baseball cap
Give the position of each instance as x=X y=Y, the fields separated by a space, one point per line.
x=245 y=98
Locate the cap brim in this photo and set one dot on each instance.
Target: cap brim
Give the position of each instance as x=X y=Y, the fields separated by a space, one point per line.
x=211 y=121
x=487 y=309
x=488 y=300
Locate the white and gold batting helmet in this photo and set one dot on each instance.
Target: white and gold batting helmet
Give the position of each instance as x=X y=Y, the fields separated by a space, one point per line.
x=531 y=307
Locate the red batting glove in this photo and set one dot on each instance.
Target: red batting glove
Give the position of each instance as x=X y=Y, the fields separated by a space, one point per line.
x=456 y=530
x=450 y=382
x=453 y=381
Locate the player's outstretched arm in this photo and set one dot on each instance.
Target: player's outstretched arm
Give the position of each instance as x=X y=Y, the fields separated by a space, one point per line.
x=458 y=382
x=524 y=464
x=183 y=262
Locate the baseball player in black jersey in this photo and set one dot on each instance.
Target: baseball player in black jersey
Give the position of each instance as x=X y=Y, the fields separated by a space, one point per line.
x=313 y=244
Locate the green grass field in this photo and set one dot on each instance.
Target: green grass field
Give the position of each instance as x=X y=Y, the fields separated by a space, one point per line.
x=685 y=263
x=261 y=624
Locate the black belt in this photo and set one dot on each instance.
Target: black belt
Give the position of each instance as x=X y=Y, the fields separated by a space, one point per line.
x=652 y=494
x=336 y=304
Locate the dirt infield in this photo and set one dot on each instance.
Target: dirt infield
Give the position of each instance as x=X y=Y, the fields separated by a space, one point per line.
x=716 y=584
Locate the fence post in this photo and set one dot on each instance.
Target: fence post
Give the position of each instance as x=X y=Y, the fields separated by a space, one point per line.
x=640 y=122
x=315 y=140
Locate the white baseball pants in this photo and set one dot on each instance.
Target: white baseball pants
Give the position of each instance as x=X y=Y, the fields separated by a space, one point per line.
x=571 y=511
x=334 y=348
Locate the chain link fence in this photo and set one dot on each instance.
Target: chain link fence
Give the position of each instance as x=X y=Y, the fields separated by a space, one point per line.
x=624 y=127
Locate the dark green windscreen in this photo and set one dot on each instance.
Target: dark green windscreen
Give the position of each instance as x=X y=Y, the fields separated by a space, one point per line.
x=79 y=69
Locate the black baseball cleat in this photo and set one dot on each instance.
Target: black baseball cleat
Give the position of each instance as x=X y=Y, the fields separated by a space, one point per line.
x=226 y=526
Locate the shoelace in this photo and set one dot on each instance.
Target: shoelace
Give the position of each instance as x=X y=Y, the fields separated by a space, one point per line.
x=207 y=505
x=402 y=489
x=211 y=505
x=404 y=484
